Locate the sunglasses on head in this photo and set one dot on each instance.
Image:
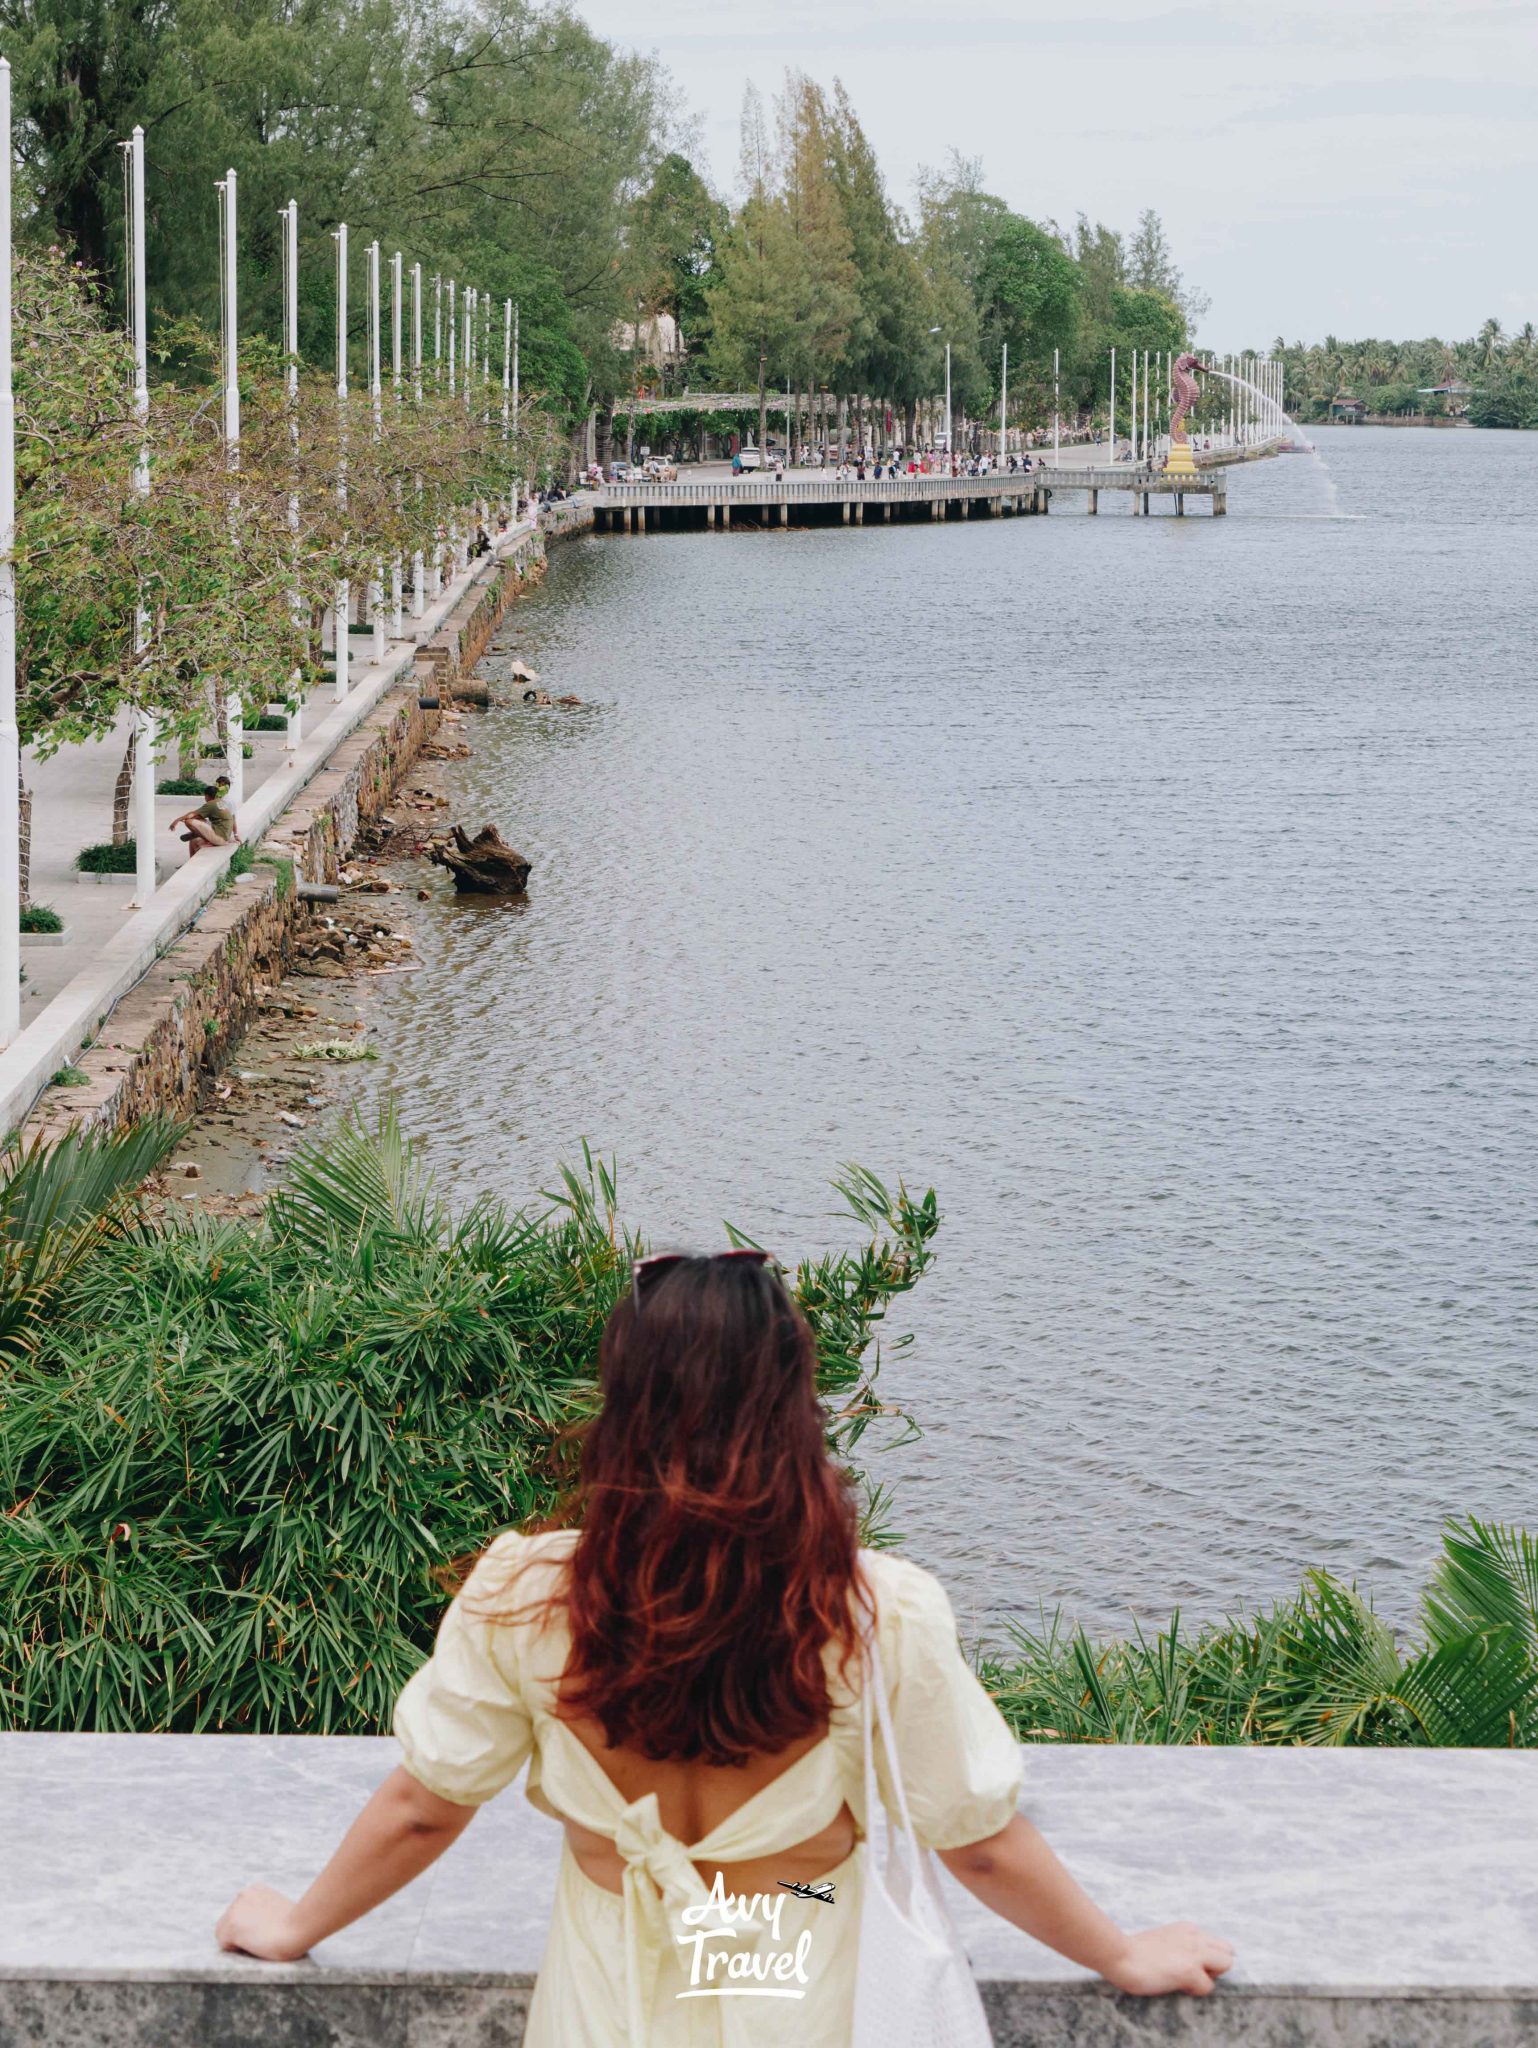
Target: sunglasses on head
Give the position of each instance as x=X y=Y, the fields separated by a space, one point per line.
x=645 y=1273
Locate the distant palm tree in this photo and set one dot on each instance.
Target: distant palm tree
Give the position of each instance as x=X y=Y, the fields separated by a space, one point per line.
x=1488 y=343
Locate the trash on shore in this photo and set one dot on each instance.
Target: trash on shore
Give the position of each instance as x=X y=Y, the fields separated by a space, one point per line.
x=338 y=1049
x=485 y=865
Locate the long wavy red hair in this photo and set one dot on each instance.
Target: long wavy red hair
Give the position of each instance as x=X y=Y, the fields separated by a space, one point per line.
x=718 y=1542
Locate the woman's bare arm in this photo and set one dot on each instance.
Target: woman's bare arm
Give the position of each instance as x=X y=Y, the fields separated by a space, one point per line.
x=402 y=1830
x=1016 y=1874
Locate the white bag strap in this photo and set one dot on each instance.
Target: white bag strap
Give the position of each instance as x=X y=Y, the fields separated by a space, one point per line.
x=874 y=1690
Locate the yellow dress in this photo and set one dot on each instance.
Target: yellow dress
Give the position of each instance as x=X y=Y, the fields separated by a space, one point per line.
x=665 y=1963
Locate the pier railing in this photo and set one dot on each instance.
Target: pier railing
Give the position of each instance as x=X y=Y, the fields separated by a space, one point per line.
x=822 y=488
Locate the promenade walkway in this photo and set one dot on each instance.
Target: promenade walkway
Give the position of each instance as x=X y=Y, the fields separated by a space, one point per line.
x=109 y=942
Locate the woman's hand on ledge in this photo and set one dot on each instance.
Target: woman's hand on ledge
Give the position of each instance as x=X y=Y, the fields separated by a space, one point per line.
x=1016 y=1874
x=402 y=1830
x=1177 y=1958
x=261 y=1922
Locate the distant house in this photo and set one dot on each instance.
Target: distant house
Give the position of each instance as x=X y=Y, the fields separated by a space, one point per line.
x=656 y=340
x=1344 y=407
x=1455 y=396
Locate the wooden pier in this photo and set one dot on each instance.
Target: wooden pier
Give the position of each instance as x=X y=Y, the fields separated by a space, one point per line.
x=798 y=499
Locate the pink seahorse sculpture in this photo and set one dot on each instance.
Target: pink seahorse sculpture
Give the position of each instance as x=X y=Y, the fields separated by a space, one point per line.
x=1186 y=393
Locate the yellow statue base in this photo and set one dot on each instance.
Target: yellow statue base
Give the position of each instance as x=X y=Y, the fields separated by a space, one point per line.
x=1180 y=461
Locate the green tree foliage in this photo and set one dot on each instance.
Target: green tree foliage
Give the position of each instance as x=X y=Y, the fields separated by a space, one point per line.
x=751 y=298
x=676 y=229
x=1499 y=371
x=208 y=554
x=233 y=1455
x=499 y=141
x=1029 y=290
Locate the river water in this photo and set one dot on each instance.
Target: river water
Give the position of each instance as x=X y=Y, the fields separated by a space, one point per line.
x=1161 y=891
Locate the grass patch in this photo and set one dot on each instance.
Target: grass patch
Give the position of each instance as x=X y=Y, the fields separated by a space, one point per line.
x=71 y=1077
x=180 y=785
x=40 y=917
x=283 y=868
x=107 y=859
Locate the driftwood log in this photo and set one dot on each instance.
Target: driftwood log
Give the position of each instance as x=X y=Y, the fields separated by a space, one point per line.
x=485 y=865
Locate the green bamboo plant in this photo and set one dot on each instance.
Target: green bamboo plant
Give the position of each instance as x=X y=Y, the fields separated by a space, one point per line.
x=229 y=1471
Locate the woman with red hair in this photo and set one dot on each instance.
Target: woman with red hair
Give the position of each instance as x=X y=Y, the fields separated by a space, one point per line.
x=682 y=1663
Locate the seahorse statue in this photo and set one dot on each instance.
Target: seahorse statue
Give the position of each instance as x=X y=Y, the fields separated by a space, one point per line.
x=1186 y=393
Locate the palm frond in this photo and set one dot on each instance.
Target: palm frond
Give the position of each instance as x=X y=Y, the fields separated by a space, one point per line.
x=1487 y=1578
x=364 y=1183
x=58 y=1201
x=1477 y=1691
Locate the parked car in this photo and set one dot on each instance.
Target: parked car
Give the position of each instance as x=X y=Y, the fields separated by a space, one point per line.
x=751 y=457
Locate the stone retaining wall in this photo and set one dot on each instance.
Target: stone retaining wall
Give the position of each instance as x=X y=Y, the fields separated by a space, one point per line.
x=180 y=1023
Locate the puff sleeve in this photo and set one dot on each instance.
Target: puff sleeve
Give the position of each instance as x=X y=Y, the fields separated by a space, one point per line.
x=461 y=1720
x=960 y=1763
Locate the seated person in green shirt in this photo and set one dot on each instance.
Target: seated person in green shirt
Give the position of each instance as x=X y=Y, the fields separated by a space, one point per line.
x=211 y=824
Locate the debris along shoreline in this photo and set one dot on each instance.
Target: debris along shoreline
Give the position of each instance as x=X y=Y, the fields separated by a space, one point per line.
x=306 y=1052
x=302 y=1057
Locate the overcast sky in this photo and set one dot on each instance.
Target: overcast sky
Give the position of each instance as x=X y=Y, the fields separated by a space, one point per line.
x=1361 y=167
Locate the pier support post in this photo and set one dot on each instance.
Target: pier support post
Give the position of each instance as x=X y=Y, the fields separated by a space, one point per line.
x=1180 y=504
x=1094 y=501
x=1220 y=504
x=859 y=512
x=966 y=508
x=846 y=511
x=726 y=516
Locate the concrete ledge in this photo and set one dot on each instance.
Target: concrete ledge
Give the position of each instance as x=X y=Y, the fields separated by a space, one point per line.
x=1378 y=1899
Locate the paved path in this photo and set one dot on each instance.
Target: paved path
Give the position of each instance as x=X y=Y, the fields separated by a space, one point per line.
x=72 y=808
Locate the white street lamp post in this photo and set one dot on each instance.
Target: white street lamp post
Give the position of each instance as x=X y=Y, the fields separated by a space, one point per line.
x=1003 y=399
x=233 y=722
x=342 y=601
x=1057 y=405
x=290 y=219
x=397 y=620
x=1113 y=405
x=145 y=734
x=10 y=732
x=418 y=567
x=1133 y=407
x=376 y=406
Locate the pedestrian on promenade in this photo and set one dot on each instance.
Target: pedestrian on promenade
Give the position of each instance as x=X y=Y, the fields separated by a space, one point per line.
x=684 y=1657
x=211 y=824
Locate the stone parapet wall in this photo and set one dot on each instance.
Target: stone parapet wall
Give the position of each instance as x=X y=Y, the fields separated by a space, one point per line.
x=1376 y=1898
